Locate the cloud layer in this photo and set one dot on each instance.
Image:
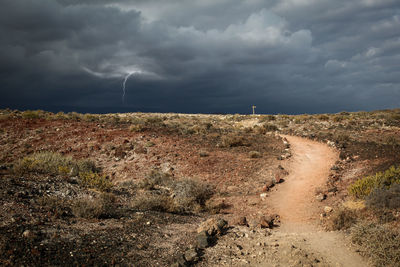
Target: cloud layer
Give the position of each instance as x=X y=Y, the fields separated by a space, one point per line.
x=287 y=56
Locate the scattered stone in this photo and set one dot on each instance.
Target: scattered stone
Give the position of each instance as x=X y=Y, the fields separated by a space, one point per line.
x=269 y=221
x=28 y=234
x=213 y=226
x=242 y=221
x=335 y=168
x=320 y=197
x=328 y=209
x=191 y=255
x=333 y=189
x=203 y=240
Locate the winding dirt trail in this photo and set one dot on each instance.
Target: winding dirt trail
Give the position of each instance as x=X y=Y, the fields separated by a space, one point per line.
x=295 y=202
x=308 y=168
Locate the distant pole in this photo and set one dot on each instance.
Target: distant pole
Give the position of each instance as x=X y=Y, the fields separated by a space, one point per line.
x=254 y=109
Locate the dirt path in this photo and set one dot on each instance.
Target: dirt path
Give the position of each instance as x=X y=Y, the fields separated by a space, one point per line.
x=308 y=169
x=299 y=241
x=295 y=202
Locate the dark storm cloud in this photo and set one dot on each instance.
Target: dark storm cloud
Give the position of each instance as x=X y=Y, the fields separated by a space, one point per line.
x=200 y=56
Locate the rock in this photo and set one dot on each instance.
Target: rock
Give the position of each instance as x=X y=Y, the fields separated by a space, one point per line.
x=269 y=184
x=269 y=221
x=320 y=197
x=328 y=209
x=213 y=226
x=335 y=168
x=181 y=262
x=191 y=255
x=332 y=189
x=202 y=240
x=242 y=221
x=28 y=234
x=263 y=195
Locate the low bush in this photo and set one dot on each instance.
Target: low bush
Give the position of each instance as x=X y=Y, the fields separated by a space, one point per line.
x=255 y=154
x=380 y=243
x=364 y=186
x=102 y=206
x=153 y=179
x=153 y=202
x=269 y=127
x=32 y=114
x=342 y=219
x=58 y=206
x=385 y=198
x=53 y=164
x=95 y=180
x=264 y=118
x=172 y=195
x=233 y=141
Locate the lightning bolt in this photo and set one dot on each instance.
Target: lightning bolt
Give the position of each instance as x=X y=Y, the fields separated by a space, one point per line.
x=124 y=85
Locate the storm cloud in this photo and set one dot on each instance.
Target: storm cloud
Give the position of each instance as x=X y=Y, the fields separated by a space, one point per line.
x=287 y=56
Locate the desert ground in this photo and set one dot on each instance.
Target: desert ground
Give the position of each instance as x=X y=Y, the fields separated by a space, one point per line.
x=149 y=189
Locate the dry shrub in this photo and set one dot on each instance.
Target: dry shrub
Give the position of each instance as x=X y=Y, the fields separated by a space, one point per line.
x=264 y=118
x=58 y=206
x=342 y=219
x=255 y=154
x=172 y=195
x=53 y=164
x=153 y=179
x=380 y=243
x=136 y=128
x=190 y=194
x=153 y=202
x=269 y=127
x=102 y=206
x=382 y=198
x=233 y=141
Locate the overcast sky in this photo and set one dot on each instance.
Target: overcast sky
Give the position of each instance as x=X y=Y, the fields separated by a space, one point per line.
x=208 y=56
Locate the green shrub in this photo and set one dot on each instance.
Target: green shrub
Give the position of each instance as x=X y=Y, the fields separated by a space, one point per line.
x=364 y=186
x=51 y=163
x=380 y=243
x=95 y=180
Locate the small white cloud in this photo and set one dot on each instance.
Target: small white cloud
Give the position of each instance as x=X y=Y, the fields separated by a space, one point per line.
x=335 y=65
